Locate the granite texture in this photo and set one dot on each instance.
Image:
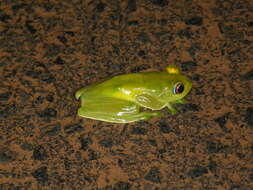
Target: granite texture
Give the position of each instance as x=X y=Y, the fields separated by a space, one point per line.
x=50 y=49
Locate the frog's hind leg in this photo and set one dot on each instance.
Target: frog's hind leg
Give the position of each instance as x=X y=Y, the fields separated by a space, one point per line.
x=113 y=110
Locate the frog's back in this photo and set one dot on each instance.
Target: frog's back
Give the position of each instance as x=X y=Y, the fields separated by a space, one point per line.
x=128 y=85
x=125 y=86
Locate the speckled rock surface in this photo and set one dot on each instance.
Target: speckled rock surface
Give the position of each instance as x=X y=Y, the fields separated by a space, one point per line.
x=49 y=49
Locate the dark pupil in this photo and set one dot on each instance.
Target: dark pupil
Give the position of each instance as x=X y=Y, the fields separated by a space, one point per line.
x=179 y=88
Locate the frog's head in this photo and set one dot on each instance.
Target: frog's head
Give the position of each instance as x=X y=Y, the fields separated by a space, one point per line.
x=178 y=85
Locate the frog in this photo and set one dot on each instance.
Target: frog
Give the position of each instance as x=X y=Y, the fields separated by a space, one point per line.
x=134 y=97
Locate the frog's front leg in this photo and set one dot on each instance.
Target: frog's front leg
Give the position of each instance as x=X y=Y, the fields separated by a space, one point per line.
x=172 y=110
x=112 y=110
x=148 y=101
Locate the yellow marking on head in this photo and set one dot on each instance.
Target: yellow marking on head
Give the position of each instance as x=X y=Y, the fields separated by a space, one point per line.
x=172 y=69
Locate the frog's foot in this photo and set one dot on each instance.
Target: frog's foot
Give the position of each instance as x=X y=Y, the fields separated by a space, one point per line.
x=173 y=112
x=149 y=115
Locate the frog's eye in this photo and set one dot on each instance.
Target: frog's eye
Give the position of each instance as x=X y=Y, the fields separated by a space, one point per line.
x=178 y=88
